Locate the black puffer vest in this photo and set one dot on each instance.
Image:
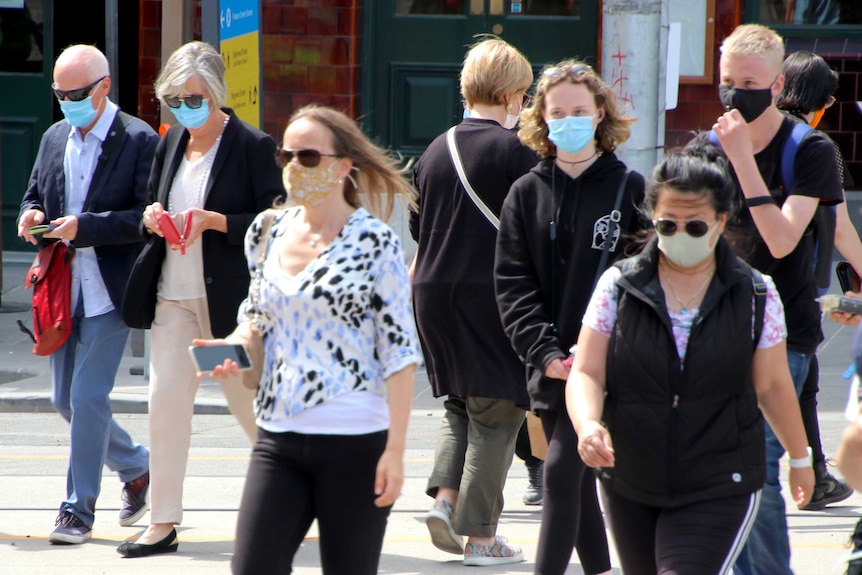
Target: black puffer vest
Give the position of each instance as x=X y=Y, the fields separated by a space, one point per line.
x=683 y=433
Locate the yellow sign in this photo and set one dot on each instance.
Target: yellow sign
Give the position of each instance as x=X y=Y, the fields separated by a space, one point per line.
x=242 y=76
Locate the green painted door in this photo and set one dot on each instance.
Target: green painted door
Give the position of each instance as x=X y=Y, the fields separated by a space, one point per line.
x=26 y=105
x=415 y=47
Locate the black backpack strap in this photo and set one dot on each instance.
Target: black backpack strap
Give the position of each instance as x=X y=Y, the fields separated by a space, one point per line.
x=115 y=134
x=759 y=285
x=613 y=225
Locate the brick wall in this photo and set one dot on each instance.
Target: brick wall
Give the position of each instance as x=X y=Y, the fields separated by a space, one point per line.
x=149 y=59
x=312 y=53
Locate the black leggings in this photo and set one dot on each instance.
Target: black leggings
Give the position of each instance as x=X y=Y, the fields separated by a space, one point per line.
x=808 y=406
x=295 y=478
x=571 y=516
x=697 y=539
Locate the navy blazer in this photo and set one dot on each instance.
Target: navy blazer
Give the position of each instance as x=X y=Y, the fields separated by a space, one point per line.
x=244 y=181
x=112 y=210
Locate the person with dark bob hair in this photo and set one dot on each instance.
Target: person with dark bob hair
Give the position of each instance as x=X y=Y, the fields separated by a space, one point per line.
x=809 y=88
x=678 y=361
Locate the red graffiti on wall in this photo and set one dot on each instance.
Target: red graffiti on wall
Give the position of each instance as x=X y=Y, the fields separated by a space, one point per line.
x=618 y=80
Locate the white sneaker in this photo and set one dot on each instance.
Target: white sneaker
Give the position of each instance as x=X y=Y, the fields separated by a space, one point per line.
x=499 y=553
x=443 y=536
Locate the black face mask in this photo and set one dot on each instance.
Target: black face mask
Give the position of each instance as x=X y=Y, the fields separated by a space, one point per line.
x=750 y=103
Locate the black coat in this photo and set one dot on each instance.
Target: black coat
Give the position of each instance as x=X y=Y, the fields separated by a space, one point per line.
x=243 y=182
x=466 y=352
x=687 y=432
x=544 y=286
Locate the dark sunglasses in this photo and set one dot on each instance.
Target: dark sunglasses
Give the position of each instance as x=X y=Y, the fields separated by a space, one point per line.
x=575 y=71
x=307 y=158
x=193 y=101
x=694 y=228
x=78 y=94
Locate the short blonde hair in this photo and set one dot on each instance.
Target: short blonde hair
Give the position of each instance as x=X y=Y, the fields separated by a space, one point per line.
x=379 y=175
x=193 y=59
x=756 y=40
x=493 y=68
x=612 y=131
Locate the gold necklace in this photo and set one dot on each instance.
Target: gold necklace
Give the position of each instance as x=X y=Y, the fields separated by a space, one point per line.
x=684 y=305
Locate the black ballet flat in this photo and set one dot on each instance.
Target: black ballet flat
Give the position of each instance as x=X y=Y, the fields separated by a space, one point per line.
x=167 y=545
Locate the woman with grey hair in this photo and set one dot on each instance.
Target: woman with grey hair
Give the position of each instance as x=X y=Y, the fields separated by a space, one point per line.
x=212 y=174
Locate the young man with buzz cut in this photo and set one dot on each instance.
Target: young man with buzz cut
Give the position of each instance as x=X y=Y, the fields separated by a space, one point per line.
x=774 y=234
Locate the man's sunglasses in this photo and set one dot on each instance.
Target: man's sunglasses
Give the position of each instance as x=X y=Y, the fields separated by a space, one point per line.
x=307 y=158
x=694 y=228
x=78 y=94
x=193 y=101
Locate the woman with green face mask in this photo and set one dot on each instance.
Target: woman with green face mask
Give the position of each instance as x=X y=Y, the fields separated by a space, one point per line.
x=682 y=347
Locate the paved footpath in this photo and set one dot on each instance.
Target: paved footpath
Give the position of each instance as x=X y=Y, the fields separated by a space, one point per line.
x=34 y=447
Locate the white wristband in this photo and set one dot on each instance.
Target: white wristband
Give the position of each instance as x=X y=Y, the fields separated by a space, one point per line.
x=802 y=462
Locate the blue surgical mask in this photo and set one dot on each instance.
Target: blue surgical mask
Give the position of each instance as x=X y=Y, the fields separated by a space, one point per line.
x=79 y=114
x=466 y=113
x=192 y=117
x=572 y=133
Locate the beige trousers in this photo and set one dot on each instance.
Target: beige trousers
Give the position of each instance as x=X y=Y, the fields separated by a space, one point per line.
x=173 y=386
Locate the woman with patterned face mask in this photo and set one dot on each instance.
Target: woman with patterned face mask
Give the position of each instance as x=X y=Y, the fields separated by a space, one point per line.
x=333 y=300
x=682 y=347
x=562 y=224
x=212 y=174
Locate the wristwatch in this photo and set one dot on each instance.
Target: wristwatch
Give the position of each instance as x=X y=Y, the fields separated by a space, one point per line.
x=802 y=462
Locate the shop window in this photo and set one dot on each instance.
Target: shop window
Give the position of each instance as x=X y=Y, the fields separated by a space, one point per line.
x=810 y=12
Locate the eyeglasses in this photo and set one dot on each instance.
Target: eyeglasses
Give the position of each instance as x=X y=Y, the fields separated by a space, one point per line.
x=78 y=94
x=694 y=228
x=307 y=158
x=575 y=71
x=194 y=101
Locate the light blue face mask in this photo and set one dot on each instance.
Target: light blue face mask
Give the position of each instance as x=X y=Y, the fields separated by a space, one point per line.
x=78 y=114
x=192 y=118
x=572 y=133
x=466 y=113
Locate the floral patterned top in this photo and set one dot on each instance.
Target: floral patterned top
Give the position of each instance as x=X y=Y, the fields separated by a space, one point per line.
x=342 y=325
x=601 y=314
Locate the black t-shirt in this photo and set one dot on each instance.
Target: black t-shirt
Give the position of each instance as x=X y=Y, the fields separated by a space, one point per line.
x=818 y=176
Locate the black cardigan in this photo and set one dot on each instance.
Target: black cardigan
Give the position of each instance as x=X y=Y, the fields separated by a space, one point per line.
x=243 y=182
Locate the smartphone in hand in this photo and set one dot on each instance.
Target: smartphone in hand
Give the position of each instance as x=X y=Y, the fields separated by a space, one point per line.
x=42 y=229
x=207 y=357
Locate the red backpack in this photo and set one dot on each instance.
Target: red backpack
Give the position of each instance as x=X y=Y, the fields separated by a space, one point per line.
x=50 y=276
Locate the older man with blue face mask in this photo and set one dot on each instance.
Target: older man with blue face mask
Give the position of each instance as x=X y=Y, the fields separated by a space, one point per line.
x=89 y=180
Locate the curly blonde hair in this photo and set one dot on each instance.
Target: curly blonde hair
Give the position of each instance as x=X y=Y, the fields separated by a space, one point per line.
x=378 y=174
x=612 y=131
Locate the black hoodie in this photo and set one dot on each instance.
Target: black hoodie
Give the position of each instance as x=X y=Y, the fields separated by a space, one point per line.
x=543 y=286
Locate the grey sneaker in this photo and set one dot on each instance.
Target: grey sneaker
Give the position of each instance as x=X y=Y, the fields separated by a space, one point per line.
x=533 y=493
x=439 y=522
x=70 y=530
x=499 y=553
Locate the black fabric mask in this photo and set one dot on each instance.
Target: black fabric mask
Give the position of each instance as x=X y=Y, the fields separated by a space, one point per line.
x=750 y=103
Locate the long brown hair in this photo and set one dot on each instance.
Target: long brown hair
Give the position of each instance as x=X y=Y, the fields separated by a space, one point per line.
x=378 y=173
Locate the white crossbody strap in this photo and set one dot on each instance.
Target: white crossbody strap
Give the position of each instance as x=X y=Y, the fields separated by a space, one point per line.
x=459 y=167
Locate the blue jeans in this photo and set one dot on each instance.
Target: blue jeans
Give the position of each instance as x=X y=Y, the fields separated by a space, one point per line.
x=768 y=548
x=82 y=374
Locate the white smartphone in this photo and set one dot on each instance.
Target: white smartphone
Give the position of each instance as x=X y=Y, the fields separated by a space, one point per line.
x=206 y=358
